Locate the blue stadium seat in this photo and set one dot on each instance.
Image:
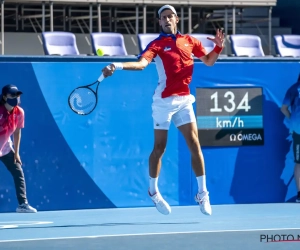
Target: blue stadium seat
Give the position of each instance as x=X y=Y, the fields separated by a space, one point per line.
x=246 y=45
x=111 y=43
x=287 y=45
x=208 y=45
x=59 y=43
x=145 y=39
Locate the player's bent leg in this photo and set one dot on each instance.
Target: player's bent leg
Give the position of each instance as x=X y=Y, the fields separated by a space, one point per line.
x=190 y=134
x=160 y=142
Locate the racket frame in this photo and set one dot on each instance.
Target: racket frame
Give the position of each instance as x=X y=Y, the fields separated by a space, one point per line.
x=86 y=87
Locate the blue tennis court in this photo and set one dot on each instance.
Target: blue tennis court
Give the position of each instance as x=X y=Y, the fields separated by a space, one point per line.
x=235 y=227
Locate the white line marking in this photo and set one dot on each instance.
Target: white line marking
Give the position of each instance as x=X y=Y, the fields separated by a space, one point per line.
x=13 y=224
x=8 y=226
x=148 y=234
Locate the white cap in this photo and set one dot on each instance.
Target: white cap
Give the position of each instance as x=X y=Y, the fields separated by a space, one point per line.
x=167 y=7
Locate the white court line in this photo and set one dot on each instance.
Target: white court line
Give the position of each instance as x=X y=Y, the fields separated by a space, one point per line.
x=26 y=222
x=14 y=224
x=149 y=234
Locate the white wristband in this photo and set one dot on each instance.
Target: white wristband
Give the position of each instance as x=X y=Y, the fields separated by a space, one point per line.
x=118 y=66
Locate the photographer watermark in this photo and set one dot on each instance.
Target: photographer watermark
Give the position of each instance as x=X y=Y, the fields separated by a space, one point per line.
x=266 y=238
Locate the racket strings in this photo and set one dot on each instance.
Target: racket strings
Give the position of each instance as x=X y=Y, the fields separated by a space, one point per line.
x=83 y=100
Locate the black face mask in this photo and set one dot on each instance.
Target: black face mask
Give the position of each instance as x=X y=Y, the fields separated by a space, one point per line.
x=12 y=101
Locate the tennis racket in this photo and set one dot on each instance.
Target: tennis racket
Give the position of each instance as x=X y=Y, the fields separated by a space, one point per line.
x=83 y=100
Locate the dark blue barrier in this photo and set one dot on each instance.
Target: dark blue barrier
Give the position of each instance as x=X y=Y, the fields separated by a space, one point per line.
x=101 y=160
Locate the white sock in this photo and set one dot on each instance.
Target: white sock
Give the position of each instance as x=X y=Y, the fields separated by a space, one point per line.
x=201 y=183
x=153 y=188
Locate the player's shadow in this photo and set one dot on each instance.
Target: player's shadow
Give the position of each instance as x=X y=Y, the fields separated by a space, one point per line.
x=258 y=169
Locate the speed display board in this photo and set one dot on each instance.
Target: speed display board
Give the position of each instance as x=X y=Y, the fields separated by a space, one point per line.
x=230 y=116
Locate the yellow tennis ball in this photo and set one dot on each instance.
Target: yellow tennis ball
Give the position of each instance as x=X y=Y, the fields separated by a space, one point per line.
x=100 y=52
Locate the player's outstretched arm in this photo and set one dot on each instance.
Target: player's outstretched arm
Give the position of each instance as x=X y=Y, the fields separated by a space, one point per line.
x=212 y=57
x=139 y=65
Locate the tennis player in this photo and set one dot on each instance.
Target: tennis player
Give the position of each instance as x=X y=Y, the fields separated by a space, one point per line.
x=291 y=109
x=172 y=101
x=11 y=123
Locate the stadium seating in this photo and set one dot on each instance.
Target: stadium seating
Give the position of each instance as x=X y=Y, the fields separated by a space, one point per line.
x=111 y=43
x=287 y=45
x=145 y=39
x=59 y=43
x=246 y=45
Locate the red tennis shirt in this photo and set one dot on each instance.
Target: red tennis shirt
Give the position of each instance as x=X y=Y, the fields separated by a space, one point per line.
x=174 y=62
x=9 y=122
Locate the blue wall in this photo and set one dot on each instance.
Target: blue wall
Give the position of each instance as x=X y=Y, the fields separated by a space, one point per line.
x=101 y=160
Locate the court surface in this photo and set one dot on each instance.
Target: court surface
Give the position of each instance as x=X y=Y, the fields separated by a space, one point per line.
x=231 y=227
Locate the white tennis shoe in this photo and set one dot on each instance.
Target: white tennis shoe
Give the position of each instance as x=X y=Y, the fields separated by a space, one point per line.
x=203 y=200
x=25 y=208
x=161 y=205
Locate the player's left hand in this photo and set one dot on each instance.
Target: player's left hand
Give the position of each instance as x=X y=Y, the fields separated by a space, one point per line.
x=17 y=159
x=219 y=39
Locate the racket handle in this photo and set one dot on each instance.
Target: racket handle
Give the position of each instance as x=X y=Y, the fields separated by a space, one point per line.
x=100 y=79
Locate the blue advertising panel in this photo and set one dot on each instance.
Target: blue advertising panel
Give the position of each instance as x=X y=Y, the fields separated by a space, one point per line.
x=101 y=160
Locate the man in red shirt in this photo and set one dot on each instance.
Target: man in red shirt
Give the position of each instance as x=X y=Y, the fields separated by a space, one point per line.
x=11 y=123
x=173 y=54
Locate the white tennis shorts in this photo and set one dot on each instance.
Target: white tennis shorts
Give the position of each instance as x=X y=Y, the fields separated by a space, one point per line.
x=178 y=109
